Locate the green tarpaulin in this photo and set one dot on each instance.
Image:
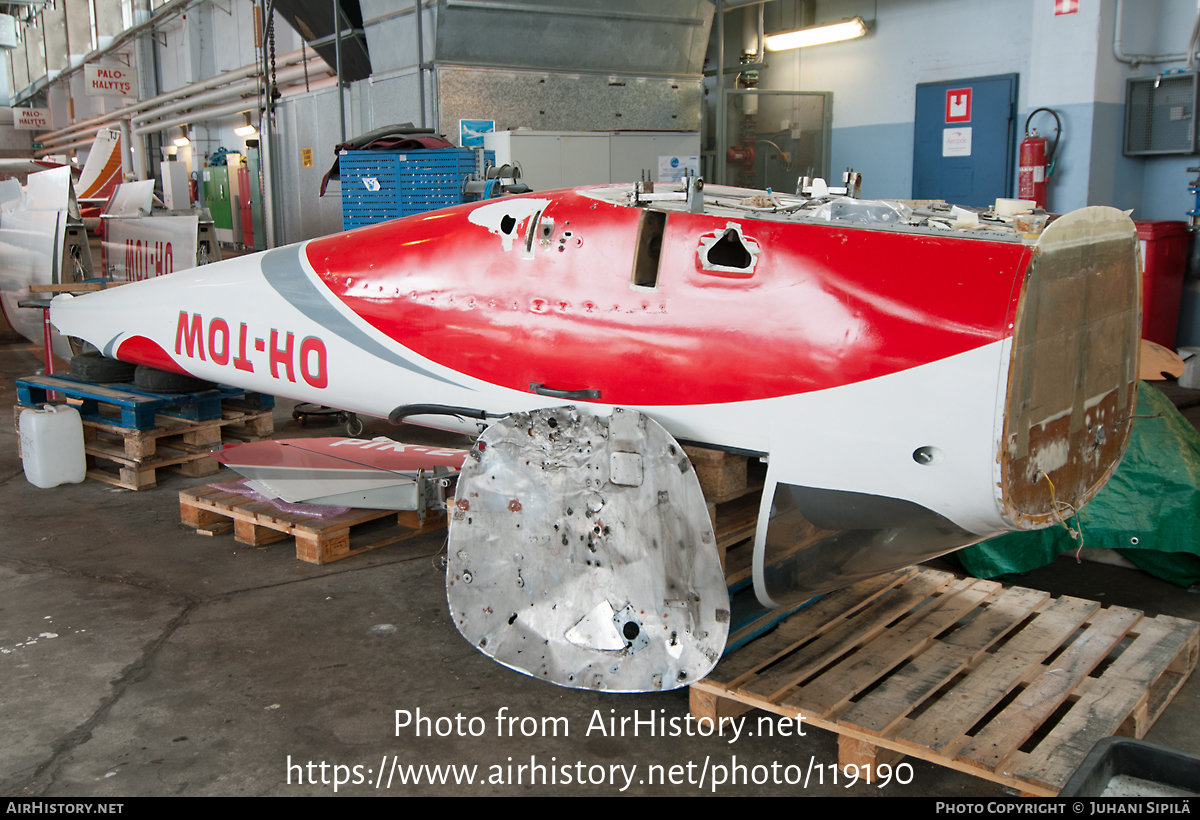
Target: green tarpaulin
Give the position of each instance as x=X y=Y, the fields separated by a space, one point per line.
x=1149 y=511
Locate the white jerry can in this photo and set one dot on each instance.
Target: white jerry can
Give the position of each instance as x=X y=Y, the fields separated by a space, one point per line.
x=52 y=446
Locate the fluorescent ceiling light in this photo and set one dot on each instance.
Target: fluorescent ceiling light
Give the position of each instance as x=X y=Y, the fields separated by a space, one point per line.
x=817 y=35
x=247 y=129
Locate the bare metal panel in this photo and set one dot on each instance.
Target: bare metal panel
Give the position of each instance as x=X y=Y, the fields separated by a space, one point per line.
x=581 y=552
x=627 y=36
x=547 y=101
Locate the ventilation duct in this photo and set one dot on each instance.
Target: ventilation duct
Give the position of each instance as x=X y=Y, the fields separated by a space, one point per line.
x=313 y=20
x=1160 y=115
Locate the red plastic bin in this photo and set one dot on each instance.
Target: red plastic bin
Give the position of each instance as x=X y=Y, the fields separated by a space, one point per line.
x=1164 y=260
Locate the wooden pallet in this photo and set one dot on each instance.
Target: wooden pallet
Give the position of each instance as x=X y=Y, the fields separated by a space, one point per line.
x=1003 y=683
x=732 y=486
x=211 y=511
x=725 y=476
x=130 y=458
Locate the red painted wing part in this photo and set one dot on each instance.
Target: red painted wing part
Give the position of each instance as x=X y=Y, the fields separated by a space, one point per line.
x=382 y=473
x=315 y=454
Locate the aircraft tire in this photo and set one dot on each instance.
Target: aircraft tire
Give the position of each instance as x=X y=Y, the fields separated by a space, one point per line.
x=153 y=380
x=96 y=368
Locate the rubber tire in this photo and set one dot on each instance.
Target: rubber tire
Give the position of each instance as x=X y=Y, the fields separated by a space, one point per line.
x=354 y=426
x=98 y=369
x=153 y=380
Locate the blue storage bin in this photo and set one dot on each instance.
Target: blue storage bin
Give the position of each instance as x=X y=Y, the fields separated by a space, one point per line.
x=382 y=185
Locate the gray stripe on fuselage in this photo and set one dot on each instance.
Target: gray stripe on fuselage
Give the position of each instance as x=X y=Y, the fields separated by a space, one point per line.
x=284 y=271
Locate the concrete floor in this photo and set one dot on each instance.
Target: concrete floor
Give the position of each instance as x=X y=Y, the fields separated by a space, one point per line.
x=185 y=665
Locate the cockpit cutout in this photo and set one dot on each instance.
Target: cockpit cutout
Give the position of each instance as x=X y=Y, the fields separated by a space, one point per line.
x=727 y=251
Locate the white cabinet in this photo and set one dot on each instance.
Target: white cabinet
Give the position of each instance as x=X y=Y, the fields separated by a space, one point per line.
x=563 y=159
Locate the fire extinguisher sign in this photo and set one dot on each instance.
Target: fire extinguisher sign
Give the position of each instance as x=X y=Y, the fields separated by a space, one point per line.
x=958 y=105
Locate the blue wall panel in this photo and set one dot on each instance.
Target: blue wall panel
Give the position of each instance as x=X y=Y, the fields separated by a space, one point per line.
x=883 y=153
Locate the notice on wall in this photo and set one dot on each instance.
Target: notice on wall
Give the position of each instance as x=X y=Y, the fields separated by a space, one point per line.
x=672 y=169
x=108 y=80
x=31 y=119
x=470 y=132
x=305 y=157
x=956 y=142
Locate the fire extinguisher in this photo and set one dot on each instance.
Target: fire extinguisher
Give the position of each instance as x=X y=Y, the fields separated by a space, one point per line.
x=1037 y=161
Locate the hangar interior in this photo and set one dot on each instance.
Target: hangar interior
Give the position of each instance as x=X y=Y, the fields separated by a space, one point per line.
x=144 y=655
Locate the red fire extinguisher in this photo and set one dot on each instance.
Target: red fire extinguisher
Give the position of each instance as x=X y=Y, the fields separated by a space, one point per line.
x=1037 y=161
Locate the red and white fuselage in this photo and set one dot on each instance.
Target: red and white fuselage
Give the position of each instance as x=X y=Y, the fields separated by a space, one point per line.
x=897 y=363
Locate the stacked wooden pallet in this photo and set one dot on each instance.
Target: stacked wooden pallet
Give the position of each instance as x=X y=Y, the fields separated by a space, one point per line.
x=732 y=486
x=1004 y=683
x=318 y=541
x=129 y=434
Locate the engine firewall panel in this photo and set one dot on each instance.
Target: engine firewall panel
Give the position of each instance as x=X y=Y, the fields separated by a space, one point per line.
x=581 y=552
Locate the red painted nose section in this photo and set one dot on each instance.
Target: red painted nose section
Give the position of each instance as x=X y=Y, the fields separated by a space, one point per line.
x=573 y=297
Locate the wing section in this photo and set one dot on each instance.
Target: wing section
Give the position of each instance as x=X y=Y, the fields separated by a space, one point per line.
x=375 y=474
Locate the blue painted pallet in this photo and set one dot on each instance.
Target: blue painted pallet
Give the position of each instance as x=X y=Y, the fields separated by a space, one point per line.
x=137 y=408
x=749 y=618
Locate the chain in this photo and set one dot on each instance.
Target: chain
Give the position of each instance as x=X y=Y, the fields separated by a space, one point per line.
x=304 y=59
x=274 y=87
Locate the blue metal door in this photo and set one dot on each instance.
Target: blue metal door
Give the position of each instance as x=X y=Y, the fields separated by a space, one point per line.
x=964 y=140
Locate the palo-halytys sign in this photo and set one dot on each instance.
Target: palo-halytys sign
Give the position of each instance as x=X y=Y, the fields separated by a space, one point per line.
x=31 y=119
x=108 y=80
